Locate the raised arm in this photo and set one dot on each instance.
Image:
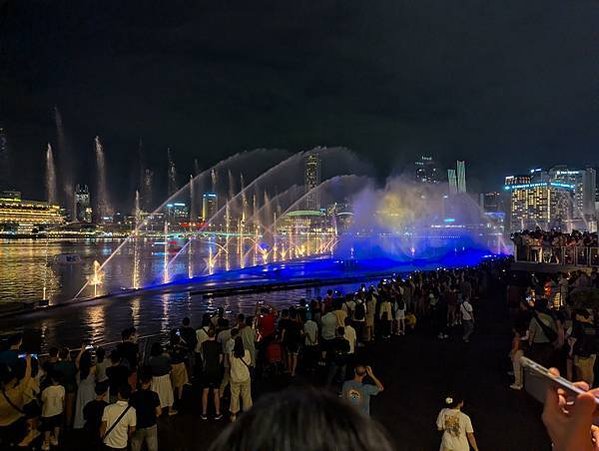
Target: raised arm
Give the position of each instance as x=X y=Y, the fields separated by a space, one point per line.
x=377 y=382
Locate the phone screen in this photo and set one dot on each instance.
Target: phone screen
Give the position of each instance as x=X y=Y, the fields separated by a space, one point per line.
x=538 y=379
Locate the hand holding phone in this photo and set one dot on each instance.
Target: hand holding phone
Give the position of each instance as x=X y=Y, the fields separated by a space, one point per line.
x=570 y=423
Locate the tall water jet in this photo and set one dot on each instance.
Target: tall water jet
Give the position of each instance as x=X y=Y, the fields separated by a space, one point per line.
x=192 y=203
x=51 y=188
x=65 y=162
x=103 y=205
x=196 y=167
x=137 y=208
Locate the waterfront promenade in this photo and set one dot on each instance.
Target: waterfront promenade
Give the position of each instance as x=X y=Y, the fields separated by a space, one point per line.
x=417 y=371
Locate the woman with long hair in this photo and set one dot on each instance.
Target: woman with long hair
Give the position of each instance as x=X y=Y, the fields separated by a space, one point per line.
x=86 y=384
x=241 y=381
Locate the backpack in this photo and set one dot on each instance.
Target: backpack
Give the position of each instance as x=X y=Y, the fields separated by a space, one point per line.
x=360 y=312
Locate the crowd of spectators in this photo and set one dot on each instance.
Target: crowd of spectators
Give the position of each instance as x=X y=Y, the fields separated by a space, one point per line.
x=557 y=247
x=117 y=396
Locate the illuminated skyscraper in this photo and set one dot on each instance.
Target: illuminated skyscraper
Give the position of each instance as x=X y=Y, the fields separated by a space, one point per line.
x=172 y=174
x=584 y=182
x=461 y=175
x=312 y=180
x=426 y=170
x=83 y=210
x=453 y=184
x=209 y=205
x=540 y=204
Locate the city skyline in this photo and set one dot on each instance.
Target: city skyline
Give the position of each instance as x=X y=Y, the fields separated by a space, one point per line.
x=388 y=102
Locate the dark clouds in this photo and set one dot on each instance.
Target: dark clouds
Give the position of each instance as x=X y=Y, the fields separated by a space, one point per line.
x=505 y=85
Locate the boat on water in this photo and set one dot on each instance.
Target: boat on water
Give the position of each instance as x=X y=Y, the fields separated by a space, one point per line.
x=67 y=259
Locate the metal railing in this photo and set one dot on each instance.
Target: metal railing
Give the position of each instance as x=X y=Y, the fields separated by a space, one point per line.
x=582 y=256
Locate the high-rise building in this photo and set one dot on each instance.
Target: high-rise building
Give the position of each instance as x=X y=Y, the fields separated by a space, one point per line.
x=547 y=205
x=209 y=205
x=584 y=182
x=453 y=184
x=461 y=176
x=177 y=212
x=83 y=210
x=172 y=174
x=491 y=202
x=517 y=180
x=426 y=170
x=312 y=180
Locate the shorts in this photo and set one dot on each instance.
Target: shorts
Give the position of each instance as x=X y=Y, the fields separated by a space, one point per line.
x=49 y=423
x=211 y=379
x=292 y=348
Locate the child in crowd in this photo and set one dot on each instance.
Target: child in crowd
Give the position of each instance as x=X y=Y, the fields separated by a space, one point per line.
x=53 y=406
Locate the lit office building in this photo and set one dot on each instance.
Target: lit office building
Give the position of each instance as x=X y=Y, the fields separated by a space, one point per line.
x=177 y=212
x=517 y=180
x=584 y=182
x=461 y=176
x=491 y=202
x=22 y=216
x=312 y=180
x=426 y=170
x=209 y=205
x=547 y=205
x=453 y=184
x=83 y=210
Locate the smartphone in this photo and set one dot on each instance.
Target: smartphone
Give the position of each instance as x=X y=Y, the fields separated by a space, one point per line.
x=537 y=379
x=88 y=347
x=22 y=356
x=178 y=333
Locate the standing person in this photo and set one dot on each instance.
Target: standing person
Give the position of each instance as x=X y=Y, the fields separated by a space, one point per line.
x=370 y=315
x=359 y=318
x=584 y=337
x=201 y=337
x=68 y=369
x=248 y=336
x=458 y=434
x=292 y=335
x=128 y=349
x=53 y=403
x=160 y=369
x=227 y=344
x=337 y=357
x=189 y=339
x=212 y=373
x=328 y=325
x=358 y=393
x=542 y=333
x=351 y=337
x=12 y=401
x=386 y=316
x=467 y=313
x=86 y=384
x=178 y=354
x=400 y=315
x=519 y=345
x=241 y=382
x=117 y=373
x=118 y=421
x=10 y=356
x=310 y=332
x=102 y=363
x=93 y=412
x=147 y=408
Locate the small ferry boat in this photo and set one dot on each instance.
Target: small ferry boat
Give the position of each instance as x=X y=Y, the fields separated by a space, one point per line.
x=66 y=259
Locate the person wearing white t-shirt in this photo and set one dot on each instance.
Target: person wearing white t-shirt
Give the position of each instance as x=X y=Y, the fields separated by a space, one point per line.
x=467 y=319
x=458 y=434
x=350 y=335
x=118 y=421
x=53 y=398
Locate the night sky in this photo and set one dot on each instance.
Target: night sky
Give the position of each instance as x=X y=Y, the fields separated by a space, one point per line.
x=506 y=85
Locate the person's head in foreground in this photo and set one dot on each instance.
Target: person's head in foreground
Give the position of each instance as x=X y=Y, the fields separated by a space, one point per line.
x=302 y=420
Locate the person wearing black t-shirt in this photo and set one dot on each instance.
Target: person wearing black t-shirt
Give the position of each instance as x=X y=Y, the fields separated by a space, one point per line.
x=118 y=375
x=129 y=350
x=212 y=359
x=337 y=356
x=147 y=407
x=92 y=414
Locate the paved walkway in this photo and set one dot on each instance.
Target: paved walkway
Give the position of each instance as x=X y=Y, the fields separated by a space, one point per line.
x=417 y=371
